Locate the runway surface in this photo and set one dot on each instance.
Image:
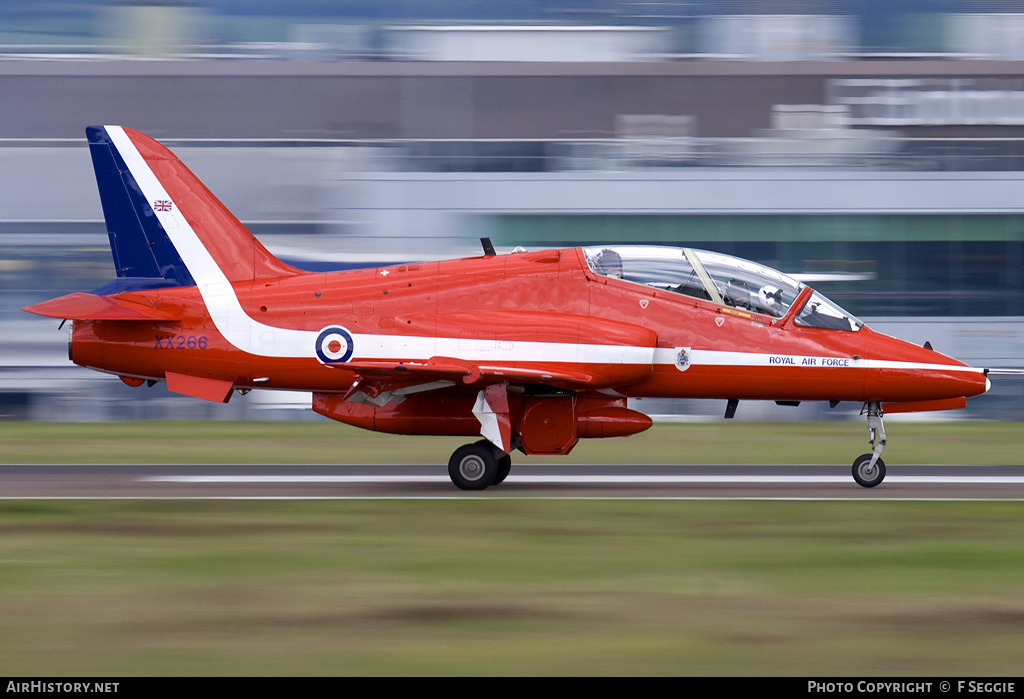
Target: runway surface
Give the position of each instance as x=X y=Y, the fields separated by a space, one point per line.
x=810 y=482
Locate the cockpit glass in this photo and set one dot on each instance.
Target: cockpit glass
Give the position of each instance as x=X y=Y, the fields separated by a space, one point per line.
x=819 y=312
x=749 y=285
x=723 y=279
x=658 y=267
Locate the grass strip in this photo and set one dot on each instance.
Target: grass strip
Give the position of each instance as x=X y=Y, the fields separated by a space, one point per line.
x=511 y=588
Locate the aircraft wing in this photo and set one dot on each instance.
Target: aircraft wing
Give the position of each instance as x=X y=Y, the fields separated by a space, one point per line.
x=82 y=306
x=382 y=382
x=456 y=370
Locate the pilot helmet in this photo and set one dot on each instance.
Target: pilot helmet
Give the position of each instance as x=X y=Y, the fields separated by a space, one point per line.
x=769 y=295
x=609 y=263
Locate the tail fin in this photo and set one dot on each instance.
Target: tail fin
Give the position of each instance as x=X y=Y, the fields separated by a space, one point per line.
x=165 y=227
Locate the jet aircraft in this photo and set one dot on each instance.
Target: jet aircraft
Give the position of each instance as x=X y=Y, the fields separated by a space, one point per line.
x=528 y=350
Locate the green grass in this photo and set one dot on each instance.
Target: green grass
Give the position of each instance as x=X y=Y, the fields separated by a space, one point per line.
x=511 y=587
x=330 y=442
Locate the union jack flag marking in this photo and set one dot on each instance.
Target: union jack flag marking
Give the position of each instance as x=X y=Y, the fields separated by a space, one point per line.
x=162 y=205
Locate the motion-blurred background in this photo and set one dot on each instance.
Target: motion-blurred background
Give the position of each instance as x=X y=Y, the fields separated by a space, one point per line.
x=875 y=148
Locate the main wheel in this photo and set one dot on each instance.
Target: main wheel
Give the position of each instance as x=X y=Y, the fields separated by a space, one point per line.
x=473 y=467
x=867 y=475
x=504 y=466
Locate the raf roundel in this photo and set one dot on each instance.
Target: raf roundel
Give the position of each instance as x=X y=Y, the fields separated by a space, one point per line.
x=334 y=345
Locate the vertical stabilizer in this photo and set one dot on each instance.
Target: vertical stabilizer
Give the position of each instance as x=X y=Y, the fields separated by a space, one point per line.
x=165 y=227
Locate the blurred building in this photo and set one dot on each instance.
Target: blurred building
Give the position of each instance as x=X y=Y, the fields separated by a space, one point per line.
x=884 y=168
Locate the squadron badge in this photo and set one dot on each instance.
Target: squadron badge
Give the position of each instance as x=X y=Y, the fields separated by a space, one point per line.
x=683 y=359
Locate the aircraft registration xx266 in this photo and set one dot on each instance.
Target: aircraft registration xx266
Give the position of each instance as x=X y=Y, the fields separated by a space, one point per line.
x=528 y=350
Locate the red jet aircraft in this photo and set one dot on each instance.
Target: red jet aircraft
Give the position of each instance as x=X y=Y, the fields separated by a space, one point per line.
x=530 y=350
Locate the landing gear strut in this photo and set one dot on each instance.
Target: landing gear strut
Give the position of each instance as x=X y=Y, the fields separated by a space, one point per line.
x=869 y=469
x=479 y=465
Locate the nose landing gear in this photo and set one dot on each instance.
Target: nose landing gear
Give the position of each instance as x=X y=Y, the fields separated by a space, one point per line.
x=869 y=469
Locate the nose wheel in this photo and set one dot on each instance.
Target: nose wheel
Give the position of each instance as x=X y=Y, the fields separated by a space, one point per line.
x=866 y=473
x=869 y=469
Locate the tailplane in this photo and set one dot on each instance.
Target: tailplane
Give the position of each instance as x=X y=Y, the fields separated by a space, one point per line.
x=165 y=227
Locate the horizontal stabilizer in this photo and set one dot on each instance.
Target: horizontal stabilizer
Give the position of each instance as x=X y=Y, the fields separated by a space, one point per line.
x=83 y=306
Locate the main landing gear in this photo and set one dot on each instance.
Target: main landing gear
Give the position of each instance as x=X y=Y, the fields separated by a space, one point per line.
x=869 y=469
x=479 y=465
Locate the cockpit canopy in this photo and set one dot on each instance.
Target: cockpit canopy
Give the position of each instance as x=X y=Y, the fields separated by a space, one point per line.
x=721 y=279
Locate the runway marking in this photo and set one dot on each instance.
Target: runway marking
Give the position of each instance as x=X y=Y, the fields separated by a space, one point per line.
x=577 y=480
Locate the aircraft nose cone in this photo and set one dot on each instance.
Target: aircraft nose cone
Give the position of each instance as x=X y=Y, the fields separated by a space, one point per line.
x=915 y=373
x=951 y=376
